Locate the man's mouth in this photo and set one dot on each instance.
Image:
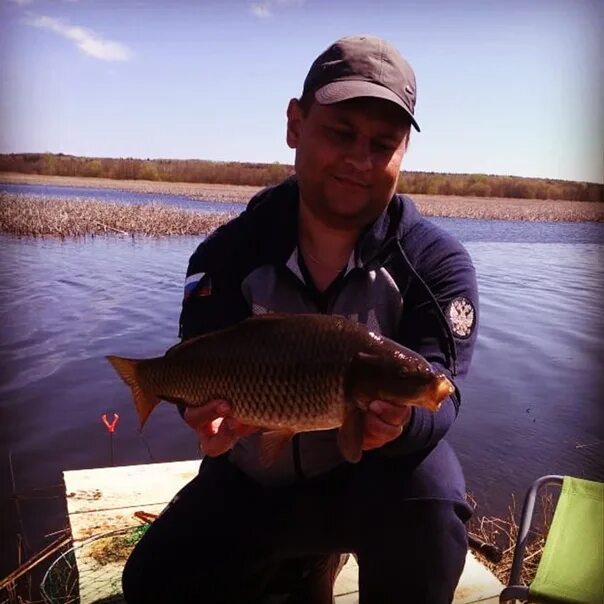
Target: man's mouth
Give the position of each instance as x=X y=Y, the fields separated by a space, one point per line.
x=351 y=182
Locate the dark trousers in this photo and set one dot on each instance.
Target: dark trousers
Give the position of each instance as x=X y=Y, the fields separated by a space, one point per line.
x=226 y=539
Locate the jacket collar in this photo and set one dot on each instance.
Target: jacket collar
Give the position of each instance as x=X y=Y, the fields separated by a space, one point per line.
x=274 y=214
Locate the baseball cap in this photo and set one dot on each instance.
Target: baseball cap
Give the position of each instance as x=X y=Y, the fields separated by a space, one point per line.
x=357 y=66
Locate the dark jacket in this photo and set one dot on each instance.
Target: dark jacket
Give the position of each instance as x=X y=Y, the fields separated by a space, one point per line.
x=409 y=280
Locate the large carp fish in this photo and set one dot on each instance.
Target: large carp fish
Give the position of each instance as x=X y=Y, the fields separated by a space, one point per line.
x=287 y=374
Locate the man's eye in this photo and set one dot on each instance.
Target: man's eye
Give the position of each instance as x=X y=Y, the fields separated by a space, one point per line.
x=340 y=134
x=384 y=147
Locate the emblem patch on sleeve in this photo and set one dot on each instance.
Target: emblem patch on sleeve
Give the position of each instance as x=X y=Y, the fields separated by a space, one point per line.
x=462 y=317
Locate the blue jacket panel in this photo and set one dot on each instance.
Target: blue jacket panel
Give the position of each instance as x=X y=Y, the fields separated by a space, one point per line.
x=432 y=271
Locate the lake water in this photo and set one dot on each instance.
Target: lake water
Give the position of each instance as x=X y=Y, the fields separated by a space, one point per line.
x=532 y=404
x=121 y=197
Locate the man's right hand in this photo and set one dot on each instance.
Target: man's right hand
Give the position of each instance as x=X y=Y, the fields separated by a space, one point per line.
x=216 y=431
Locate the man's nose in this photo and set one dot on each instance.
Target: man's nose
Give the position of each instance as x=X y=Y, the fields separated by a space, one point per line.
x=359 y=154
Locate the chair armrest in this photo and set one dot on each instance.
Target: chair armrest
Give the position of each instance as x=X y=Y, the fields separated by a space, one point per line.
x=526 y=519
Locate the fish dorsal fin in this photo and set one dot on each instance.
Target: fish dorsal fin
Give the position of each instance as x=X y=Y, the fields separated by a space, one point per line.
x=190 y=342
x=351 y=433
x=182 y=345
x=272 y=444
x=268 y=316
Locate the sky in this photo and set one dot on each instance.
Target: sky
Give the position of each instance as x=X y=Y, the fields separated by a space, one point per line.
x=512 y=87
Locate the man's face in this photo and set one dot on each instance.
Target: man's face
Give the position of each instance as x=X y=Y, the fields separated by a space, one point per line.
x=348 y=158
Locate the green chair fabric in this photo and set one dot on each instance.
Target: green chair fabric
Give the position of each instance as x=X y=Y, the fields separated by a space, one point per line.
x=572 y=564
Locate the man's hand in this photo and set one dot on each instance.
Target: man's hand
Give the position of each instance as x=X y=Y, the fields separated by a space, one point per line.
x=216 y=431
x=384 y=422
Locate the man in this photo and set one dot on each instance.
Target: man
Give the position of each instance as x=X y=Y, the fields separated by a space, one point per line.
x=333 y=239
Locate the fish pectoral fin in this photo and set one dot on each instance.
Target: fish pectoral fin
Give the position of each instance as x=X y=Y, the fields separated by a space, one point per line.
x=272 y=444
x=144 y=399
x=351 y=433
x=172 y=399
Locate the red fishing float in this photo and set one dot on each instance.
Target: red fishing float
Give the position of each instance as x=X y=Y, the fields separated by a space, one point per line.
x=110 y=425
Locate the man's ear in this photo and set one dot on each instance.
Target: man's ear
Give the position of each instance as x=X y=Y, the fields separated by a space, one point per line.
x=294 y=122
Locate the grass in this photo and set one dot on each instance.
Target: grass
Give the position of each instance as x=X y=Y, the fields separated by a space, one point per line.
x=431 y=205
x=503 y=532
x=499 y=208
x=118 y=547
x=39 y=216
x=36 y=215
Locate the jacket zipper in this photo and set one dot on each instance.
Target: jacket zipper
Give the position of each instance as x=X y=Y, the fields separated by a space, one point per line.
x=323 y=307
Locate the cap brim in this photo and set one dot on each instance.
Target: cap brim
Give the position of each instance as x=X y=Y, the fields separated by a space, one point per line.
x=336 y=92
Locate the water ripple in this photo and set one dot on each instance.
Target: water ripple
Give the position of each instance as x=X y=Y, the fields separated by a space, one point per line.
x=531 y=404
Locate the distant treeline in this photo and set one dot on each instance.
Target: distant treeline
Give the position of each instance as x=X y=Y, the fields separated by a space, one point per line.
x=236 y=173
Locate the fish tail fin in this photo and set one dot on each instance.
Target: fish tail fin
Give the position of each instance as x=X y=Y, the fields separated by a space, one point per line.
x=144 y=399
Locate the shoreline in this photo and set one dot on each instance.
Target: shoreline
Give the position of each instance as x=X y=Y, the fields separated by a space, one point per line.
x=484 y=208
x=197 y=191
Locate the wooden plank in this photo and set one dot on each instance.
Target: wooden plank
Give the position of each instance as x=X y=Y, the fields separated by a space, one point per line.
x=105 y=499
x=477 y=584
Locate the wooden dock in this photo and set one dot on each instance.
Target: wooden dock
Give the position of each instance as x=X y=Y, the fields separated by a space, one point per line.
x=105 y=499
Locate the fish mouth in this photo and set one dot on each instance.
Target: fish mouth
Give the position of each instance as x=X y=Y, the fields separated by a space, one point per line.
x=444 y=388
x=433 y=395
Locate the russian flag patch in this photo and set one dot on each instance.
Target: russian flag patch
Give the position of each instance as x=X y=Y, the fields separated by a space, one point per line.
x=198 y=284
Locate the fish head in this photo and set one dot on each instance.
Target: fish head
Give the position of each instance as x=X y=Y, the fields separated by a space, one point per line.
x=403 y=377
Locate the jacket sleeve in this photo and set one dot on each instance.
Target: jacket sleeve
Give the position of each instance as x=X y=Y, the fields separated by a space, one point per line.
x=212 y=297
x=440 y=324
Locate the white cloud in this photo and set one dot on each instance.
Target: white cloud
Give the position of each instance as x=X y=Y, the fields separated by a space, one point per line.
x=261 y=9
x=21 y=2
x=264 y=8
x=86 y=40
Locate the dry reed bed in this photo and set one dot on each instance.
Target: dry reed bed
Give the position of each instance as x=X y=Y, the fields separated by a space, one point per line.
x=499 y=208
x=487 y=208
x=36 y=215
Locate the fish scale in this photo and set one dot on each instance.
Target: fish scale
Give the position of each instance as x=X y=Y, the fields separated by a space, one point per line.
x=301 y=387
x=288 y=374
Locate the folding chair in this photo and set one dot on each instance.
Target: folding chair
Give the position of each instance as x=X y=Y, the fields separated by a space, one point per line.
x=572 y=564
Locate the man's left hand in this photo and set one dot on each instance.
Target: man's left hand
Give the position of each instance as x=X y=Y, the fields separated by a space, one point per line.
x=384 y=422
